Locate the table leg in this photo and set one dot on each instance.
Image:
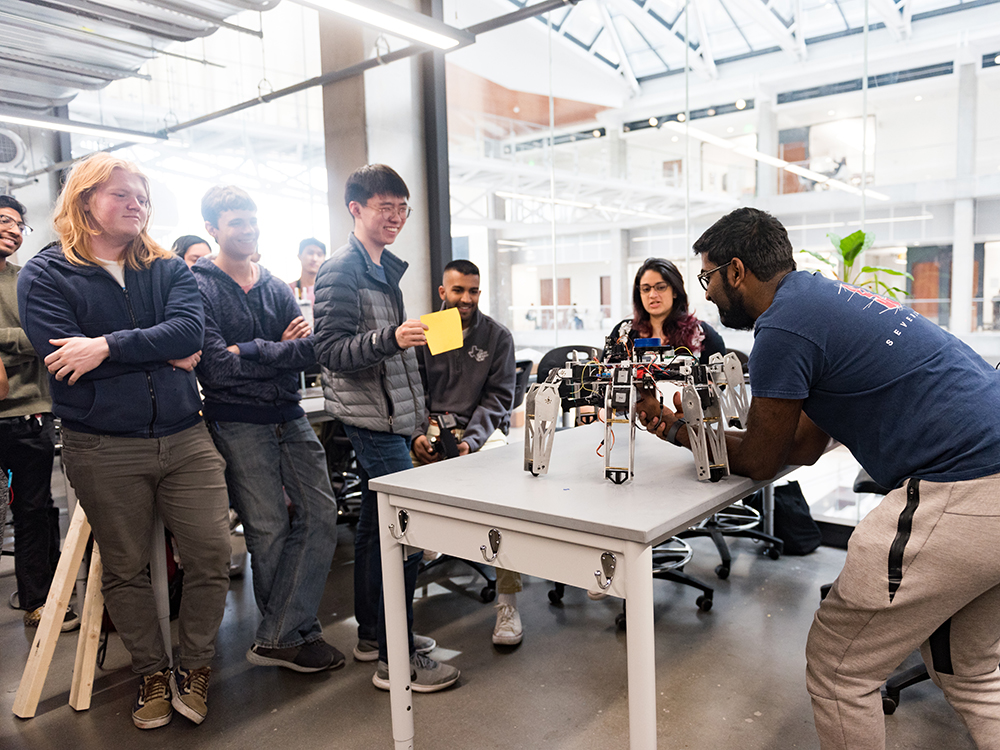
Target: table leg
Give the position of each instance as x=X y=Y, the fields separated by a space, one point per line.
x=641 y=649
x=768 y=506
x=400 y=696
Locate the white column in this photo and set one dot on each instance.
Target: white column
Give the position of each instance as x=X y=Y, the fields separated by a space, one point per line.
x=767 y=143
x=963 y=248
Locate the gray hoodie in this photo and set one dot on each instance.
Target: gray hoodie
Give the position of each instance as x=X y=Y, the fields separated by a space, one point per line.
x=475 y=382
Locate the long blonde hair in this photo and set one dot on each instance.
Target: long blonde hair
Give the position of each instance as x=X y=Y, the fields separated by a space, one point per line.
x=73 y=224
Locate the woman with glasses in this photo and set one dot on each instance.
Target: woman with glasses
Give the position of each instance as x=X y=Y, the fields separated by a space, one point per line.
x=660 y=311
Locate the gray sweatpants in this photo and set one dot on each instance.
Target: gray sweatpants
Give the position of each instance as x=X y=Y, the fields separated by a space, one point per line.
x=922 y=570
x=120 y=482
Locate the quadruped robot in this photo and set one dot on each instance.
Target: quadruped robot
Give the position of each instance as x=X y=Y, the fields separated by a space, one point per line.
x=712 y=397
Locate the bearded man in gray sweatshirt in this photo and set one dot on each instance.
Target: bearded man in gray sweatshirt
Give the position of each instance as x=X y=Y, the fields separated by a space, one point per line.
x=475 y=384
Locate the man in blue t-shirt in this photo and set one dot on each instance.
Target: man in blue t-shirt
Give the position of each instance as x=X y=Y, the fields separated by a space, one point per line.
x=919 y=410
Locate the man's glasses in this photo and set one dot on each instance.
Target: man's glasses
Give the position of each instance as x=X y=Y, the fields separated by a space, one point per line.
x=6 y=222
x=703 y=277
x=660 y=288
x=390 y=212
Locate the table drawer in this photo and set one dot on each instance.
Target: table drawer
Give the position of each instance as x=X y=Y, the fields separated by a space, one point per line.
x=571 y=559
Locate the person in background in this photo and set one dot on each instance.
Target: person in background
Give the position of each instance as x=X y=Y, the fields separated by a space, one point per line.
x=256 y=343
x=312 y=253
x=660 y=311
x=119 y=323
x=371 y=383
x=190 y=247
x=27 y=437
x=475 y=384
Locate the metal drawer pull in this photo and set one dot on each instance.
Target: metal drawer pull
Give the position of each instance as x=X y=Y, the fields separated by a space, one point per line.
x=494 y=545
x=404 y=519
x=608 y=562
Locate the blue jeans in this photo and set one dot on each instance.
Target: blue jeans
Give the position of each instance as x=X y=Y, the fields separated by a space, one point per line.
x=378 y=453
x=290 y=554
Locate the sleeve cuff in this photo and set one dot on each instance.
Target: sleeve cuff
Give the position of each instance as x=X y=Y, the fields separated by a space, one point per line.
x=250 y=351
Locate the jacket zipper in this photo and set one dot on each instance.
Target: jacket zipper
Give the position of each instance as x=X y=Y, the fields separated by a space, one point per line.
x=385 y=392
x=149 y=378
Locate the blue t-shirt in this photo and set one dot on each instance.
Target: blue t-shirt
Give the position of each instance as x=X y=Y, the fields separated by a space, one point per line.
x=905 y=396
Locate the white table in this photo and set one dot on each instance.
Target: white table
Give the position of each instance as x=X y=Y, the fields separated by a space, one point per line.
x=556 y=527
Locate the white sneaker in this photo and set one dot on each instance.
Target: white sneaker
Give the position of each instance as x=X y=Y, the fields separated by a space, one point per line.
x=508 y=630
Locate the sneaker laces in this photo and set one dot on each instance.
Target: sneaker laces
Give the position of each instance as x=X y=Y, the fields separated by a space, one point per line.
x=422 y=661
x=155 y=686
x=196 y=681
x=505 y=617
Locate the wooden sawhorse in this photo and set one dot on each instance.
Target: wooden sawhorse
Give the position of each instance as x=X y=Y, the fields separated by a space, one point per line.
x=49 y=629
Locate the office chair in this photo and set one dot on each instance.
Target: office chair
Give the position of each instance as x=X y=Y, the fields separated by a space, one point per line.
x=489 y=591
x=342 y=466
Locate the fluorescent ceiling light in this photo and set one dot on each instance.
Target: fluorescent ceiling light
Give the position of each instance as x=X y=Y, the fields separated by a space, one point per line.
x=48 y=122
x=393 y=19
x=512 y=243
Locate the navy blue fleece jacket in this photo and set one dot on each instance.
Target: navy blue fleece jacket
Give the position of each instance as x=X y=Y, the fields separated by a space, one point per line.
x=259 y=385
x=157 y=317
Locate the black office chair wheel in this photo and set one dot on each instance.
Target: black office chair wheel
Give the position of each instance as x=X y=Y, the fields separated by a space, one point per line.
x=620 y=621
x=889 y=705
x=488 y=594
x=773 y=553
x=704 y=603
x=722 y=571
x=556 y=594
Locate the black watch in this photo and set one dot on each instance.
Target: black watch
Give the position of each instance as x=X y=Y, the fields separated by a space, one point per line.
x=671 y=436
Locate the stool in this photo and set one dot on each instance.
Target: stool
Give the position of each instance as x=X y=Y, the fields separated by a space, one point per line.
x=43 y=647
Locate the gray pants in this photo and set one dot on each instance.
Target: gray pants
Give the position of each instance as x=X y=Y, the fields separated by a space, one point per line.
x=922 y=570
x=120 y=482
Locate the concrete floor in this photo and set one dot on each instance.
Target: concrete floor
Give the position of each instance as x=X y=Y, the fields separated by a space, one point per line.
x=729 y=678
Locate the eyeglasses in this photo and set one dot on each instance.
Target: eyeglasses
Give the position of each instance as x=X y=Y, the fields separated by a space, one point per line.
x=660 y=288
x=703 y=276
x=6 y=222
x=390 y=212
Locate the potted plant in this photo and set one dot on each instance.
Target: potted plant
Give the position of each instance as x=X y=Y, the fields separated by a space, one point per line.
x=848 y=249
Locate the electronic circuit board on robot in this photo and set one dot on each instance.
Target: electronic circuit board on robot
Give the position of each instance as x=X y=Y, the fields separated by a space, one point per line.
x=713 y=396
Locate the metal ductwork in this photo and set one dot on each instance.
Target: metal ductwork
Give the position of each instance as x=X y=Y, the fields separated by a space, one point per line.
x=54 y=48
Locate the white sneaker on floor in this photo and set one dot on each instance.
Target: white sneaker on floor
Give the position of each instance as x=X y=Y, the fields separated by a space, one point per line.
x=508 y=630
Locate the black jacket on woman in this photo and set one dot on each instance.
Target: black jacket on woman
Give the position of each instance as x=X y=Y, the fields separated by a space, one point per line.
x=712 y=343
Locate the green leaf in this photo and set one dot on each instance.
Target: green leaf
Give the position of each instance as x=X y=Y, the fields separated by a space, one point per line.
x=834 y=240
x=869 y=240
x=883 y=269
x=851 y=245
x=818 y=256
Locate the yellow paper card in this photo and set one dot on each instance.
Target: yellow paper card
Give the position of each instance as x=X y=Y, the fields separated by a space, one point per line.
x=444 y=330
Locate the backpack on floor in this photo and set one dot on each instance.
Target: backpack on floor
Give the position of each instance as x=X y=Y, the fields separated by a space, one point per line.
x=793 y=523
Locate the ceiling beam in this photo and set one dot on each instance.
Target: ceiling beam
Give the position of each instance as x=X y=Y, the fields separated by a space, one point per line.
x=898 y=26
x=704 y=41
x=624 y=66
x=760 y=12
x=640 y=18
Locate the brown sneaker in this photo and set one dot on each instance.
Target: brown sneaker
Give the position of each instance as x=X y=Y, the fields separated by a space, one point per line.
x=152 y=704
x=71 y=621
x=190 y=692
